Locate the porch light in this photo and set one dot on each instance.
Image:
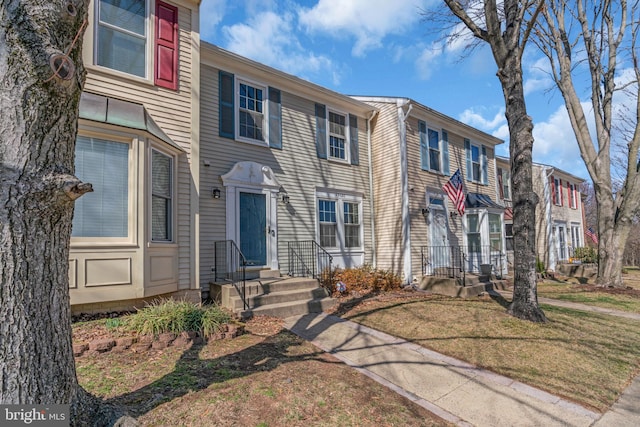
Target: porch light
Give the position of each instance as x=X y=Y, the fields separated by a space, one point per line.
x=285 y=199
x=215 y=192
x=453 y=214
x=283 y=193
x=425 y=212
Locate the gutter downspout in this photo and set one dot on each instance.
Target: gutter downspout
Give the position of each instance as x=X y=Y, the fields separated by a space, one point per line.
x=404 y=190
x=374 y=252
x=546 y=173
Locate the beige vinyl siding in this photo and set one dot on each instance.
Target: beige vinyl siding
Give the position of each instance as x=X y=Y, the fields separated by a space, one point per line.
x=386 y=183
x=172 y=111
x=296 y=167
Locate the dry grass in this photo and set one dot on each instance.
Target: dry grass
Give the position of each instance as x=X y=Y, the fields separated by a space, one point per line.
x=573 y=290
x=587 y=358
x=268 y=377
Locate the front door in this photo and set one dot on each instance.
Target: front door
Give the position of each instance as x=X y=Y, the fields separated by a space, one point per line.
x=253 y=227
x=439 y=232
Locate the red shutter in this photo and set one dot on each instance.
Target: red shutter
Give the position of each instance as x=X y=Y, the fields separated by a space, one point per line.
x=166 y=46
x=569 y=194
x=553 y=190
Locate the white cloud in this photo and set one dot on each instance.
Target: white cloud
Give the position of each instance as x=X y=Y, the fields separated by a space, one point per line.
x=427 y=61
x=211 y=13
x=270 y=38
x=474 y=118
x=368 y=21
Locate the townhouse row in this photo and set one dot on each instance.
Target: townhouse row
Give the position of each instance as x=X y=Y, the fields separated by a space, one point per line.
x=188 y=145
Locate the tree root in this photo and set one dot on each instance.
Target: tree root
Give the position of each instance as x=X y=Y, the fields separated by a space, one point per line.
x=88 y=410
x=527 y=311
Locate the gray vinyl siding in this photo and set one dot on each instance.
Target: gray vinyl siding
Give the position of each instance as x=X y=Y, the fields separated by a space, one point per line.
x=172 y=111
x=296 y=167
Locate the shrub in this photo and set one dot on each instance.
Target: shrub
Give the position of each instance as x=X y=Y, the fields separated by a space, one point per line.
x=586 y=255
x=367 y=278
x=540 y=266
x=178 y=316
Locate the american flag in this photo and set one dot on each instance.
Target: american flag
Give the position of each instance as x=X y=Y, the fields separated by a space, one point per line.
x=592 y=235
x=455 y=191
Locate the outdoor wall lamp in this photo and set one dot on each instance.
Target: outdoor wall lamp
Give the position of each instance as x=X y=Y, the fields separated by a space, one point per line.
x=425 y=212
x=452 y=215
x=215 y=192
x=283 y=195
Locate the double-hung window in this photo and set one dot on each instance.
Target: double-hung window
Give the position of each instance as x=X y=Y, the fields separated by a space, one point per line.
x=122 y=36
x=434 y=149
x=328 y=223
x=495 y=232
x=351 y=225
x=477 y=164
x=251 y=111
x=161 y=196
x=105 y=211
x=572 y=196
x=557 y=191
x=339 y=221
x=123 y=42
x=337 y=136
x=473 y=233
x=504 y=184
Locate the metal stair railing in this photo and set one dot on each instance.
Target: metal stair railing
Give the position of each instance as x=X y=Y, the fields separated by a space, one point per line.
x=230 y=266
x=309 y=259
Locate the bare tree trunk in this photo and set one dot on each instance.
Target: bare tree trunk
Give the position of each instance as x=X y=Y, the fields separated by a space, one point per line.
x=507 y=37
x=606 y=31
x=525 y=292
x=41 y=75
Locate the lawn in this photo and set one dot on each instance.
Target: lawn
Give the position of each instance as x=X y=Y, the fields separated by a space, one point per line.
x=267 y=377
x=584 y=357
x=572 y=290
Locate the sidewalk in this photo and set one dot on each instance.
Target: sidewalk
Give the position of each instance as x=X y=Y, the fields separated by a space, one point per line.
x=454 y=390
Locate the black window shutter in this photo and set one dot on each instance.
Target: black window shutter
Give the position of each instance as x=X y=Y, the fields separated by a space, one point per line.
x=321 y=131
x=226 y=105
x=353 y=136
x=275 y=119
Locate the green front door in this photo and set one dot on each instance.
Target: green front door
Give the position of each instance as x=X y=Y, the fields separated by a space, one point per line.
x=253 y=227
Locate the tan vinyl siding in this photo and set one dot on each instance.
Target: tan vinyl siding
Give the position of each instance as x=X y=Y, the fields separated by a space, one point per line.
x=296 y=167
x=172 y=111
x=386 y=183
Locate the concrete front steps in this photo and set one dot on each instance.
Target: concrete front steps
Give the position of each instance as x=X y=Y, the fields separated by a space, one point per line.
x=474 y=285
x=274 y=296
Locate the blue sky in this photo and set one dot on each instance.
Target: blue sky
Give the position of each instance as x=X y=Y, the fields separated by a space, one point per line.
x=385 y=48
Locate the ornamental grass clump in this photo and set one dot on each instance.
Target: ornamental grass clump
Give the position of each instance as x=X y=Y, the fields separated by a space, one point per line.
x=366 y=279
x=178 y=316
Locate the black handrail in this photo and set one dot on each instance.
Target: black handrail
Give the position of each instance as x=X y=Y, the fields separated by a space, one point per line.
x=230 y=266
x=309 y=259
x=456 y=261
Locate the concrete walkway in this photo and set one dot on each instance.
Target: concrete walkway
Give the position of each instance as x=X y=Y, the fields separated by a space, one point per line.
x=454 y=390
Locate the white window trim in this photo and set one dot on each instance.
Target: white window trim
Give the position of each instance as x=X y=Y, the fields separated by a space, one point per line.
x=340 y=198
x=347 y=136
x=94 y=15
x=480 y=162
x=132 y=141
x=174 y=193
x=265 y=111
x=440 y=146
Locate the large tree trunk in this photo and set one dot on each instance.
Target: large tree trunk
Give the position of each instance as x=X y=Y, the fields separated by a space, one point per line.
x=612 y=242
x=41 y=89
x=525 y=293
